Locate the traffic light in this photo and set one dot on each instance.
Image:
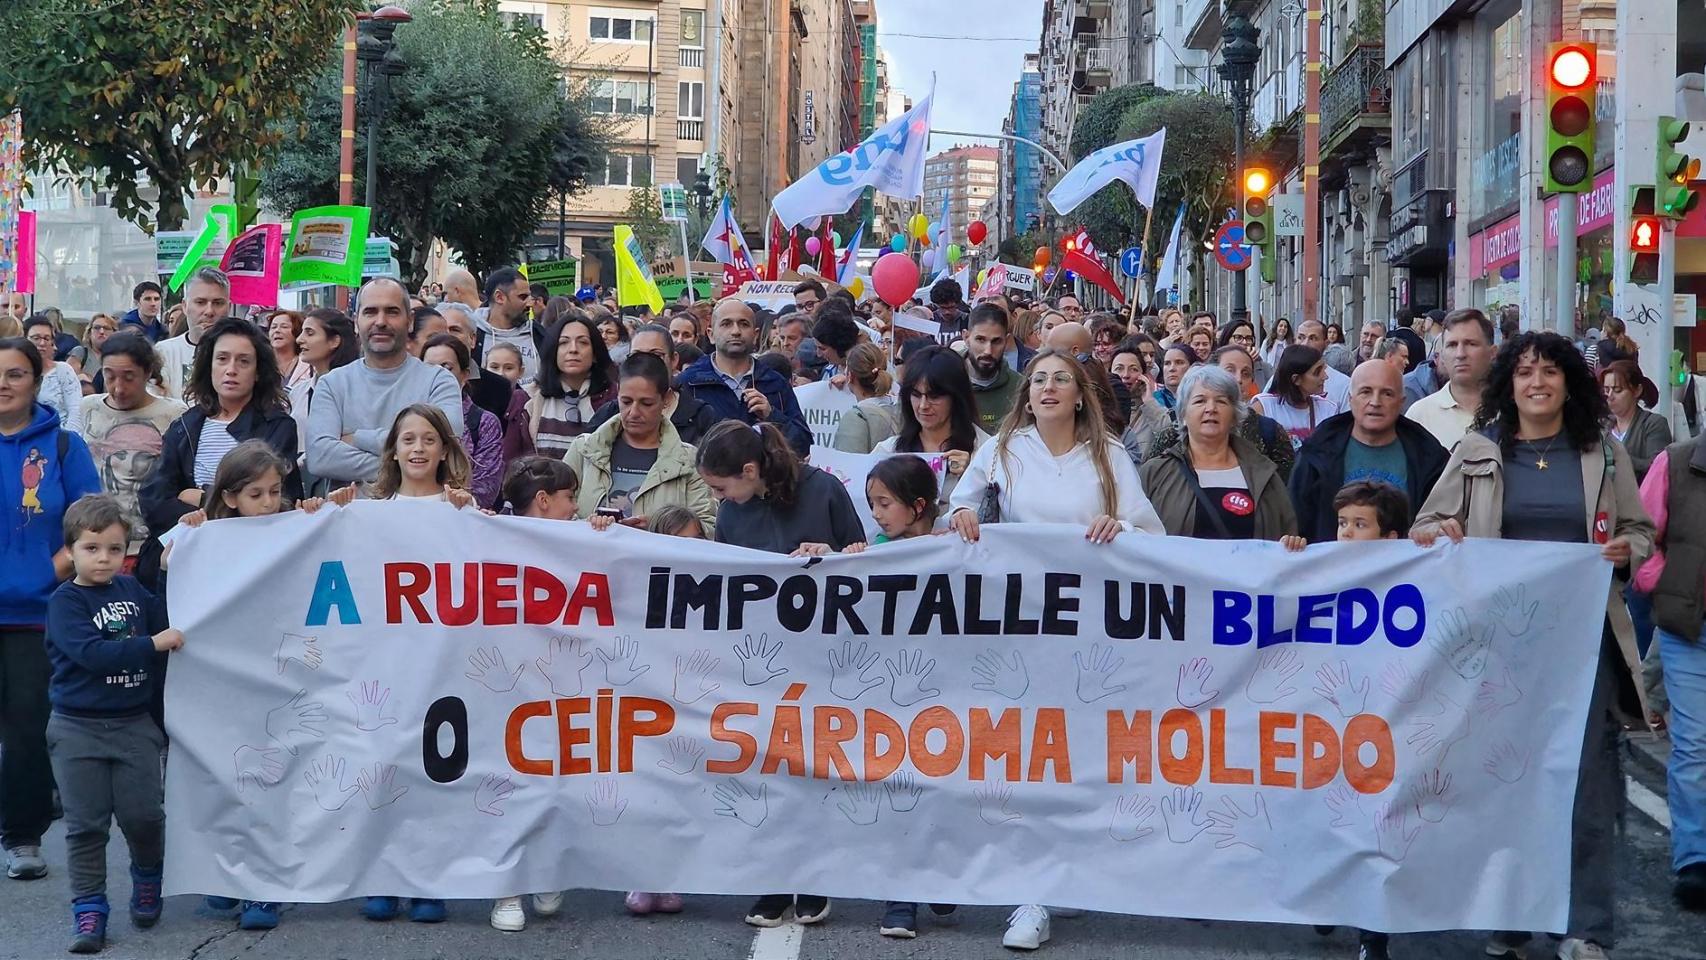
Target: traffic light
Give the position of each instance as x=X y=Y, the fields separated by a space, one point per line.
x=1676 y=170
x=1678 y=371
x=1643 y=237
x=1570 y=95
x=1259 y=216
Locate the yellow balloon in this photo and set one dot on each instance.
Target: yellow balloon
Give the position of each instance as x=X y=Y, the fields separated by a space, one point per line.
x=857 y=287
x=920 y=225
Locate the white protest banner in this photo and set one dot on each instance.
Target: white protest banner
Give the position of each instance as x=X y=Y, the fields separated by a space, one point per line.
x=1360 y=734
x=769 y=294
x=1021 y=279
x=1135 y=162
x=891 y=159
x=852 y=469
x=823 y=403
x=906 y=321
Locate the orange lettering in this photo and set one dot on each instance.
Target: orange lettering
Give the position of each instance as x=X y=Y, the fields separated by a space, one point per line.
x=1273 y=749
x=996 y=741
x=1048 y=745
x=1128 y=742
x=1320 y=752
x=786 y=744
x=629 y=726
x=743 y=741
x=1181 y=769
x=918 y=745
x=512 y=738
x=570 y=736
x=879 y=764
x=1377 y=776
x=831 y=727
x=1218 y=771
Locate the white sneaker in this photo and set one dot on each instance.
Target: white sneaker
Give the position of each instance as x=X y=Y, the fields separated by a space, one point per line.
x=507 y=915
x=1497 y=947
x=547 y=904
x=1027 y=928
x=1576 y=949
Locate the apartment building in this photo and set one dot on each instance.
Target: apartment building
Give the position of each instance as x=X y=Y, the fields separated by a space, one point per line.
x=964 y=179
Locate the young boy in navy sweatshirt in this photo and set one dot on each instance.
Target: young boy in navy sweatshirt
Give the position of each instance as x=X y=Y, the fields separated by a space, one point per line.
x=103 y=633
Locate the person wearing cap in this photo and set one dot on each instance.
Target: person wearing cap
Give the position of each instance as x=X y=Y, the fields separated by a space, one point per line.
x=1641 y=431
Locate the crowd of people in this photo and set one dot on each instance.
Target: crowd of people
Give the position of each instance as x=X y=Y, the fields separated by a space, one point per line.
x=497 y=396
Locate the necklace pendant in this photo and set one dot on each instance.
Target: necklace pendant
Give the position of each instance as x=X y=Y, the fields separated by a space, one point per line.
x=1540 y=464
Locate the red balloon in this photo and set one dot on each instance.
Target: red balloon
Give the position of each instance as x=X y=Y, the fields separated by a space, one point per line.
x=977 y=231
x=895 y=279
x=1043 y=256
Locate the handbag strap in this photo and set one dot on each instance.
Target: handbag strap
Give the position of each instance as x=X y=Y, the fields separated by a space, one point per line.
x=1204 y=504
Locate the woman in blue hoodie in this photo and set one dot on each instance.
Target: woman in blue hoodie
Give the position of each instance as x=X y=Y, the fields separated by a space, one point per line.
x=43 y=470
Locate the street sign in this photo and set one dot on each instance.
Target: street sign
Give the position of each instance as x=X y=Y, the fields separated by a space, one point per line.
x=672 y=197
x=378 y=258
x=1131 y=262
x=1288 y=214
x=1229 y=249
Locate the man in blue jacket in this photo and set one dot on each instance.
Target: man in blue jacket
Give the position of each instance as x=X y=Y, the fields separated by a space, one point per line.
x=735 y=388
x=146 y=313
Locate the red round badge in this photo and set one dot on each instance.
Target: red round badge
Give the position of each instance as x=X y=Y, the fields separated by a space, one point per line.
x=1238 y=503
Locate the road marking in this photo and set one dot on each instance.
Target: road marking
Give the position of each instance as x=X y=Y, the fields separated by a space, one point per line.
x=778 y=943
x=1645 y=801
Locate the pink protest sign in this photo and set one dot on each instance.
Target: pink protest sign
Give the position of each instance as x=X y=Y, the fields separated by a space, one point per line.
x=252 y=262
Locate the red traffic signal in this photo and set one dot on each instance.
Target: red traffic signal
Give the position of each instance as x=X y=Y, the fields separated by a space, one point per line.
x=1572 y=66
x=1644 y=235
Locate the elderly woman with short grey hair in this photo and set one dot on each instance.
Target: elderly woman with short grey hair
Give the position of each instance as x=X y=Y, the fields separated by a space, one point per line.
x=1213 y=483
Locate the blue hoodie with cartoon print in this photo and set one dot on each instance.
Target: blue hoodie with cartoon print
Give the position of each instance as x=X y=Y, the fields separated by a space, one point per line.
x=35 y=489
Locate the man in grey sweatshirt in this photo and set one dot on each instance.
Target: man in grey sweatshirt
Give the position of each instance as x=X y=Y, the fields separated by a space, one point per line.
x=355 y=405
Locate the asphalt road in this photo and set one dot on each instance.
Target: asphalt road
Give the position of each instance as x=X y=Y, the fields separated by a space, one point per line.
x=35 y=922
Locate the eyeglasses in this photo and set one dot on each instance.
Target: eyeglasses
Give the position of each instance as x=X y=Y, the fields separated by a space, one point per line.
x=1243 y=338
x=1060 y=378
x=928 y=395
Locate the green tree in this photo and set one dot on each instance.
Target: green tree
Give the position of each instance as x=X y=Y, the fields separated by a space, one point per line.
x=1098 y=124
x=129 y=95
x=477 y=135
x=1196 y=166
x=1113 y=215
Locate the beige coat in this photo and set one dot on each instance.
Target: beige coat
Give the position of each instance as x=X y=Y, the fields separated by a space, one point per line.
x=673 y=479
x=1472 y=490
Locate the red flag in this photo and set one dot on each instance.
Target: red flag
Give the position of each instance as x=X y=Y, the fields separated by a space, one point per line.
x=1093 y=271
x=826 y=250
x=773 y=248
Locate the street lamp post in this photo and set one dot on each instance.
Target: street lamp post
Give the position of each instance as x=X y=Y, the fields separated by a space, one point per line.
x=1238 y=56
x=346 y=140
x=377 y=49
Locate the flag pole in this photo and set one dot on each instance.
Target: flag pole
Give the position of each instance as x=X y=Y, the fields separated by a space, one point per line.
x=1142 y=261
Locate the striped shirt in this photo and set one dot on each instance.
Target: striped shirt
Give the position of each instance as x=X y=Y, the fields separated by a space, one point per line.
x=215 y=442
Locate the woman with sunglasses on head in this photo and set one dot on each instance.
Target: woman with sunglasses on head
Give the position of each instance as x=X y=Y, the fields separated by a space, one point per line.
x=937 y=413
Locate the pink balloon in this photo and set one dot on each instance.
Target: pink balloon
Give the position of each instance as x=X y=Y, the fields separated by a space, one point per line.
x=895 y=278
x=813 y=245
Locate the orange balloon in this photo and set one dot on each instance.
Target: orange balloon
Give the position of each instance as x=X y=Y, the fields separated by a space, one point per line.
x=1043 y=255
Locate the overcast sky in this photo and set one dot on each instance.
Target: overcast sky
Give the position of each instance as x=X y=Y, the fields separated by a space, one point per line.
x=974 y=78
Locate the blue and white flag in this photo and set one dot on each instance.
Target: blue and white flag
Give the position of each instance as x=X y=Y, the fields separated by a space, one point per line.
x=891 y=160
x=1167 y=277
x=1136 y=162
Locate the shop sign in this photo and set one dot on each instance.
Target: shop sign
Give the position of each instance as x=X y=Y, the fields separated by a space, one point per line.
x=1495 y=246
x=1595 y=209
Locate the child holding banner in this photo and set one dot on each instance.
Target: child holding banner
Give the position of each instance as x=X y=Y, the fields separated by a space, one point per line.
x=103 y=633
x=423 y=460
x=542 y=488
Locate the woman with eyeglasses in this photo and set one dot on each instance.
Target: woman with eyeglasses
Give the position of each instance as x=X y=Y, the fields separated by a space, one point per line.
x=937 y=413
x=1242 y=334
x=85 y=358
x=60 y=388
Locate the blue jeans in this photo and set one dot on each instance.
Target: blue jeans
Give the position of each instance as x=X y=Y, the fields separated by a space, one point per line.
x=1641 y=615
x=1685 y=679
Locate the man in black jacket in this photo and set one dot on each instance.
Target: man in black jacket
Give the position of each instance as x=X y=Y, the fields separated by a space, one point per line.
x=1373 y=441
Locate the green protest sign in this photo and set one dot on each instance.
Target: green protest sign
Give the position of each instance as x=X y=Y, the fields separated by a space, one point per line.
x=326 y=245
x=559 y=276
x=703 y=287
x=209 y=244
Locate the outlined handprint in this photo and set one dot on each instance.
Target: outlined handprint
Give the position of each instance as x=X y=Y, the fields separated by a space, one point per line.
x=903 y=790
x=1392 y=830
x=1182 y=812
x=848 y=669
x=1400 y=684
x=1460 y=643
x=1235 y=826
x=1505 y=762
x=487 y=668
x=1336 y=687
x=605 y=802
x=490 y=795
x=1271 y=682
x=622 y=664
x=1512 y=609
x=992 y=801
x=1096 y=669
x=1193 y=691
x=325 y=777
x=1345 y=805
x=1493 y=696
x=1438 y=733
x=1131 y=812
x=1432 y=797
x=735 y=800
x=564 y=665
x=379 y=784
x=693 y=681
x=860 y=803
x=906 y=678
x=296 y=721
x=685 y=754
x=1005 y=677
x=370 y=709
x=303 y=650
x=257 y=767
x=757 y=660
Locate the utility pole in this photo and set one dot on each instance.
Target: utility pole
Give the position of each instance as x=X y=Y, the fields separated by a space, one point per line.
x=1238 y=56
x=1312 y=231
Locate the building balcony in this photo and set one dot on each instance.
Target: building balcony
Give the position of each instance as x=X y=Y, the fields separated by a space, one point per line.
x=1203 y=24
x=1092 y=68
x=1356 y=101
x=693 y=56
x=689 y=129
x=1089 y=15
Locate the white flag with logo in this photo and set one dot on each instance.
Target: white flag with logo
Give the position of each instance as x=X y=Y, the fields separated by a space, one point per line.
x=1136 y=162
x=892 y=160
x=1167 y=278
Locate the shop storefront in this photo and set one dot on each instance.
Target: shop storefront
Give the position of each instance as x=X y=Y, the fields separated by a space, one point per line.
x=1494 y=252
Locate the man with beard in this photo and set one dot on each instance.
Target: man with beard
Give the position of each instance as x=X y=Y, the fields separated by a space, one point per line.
x=504 y=319
x=735 y=388
x=355 y=405
x=994 y=384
